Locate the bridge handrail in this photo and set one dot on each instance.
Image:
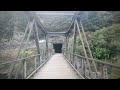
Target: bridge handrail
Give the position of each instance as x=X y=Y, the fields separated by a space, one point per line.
x=23 y=58
x=94 y=60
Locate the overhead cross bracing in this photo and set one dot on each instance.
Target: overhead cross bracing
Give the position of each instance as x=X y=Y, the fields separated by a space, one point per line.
x=55 y=21
x=45 y=63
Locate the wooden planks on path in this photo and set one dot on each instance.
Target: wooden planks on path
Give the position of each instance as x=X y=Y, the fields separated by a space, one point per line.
x=56 y=68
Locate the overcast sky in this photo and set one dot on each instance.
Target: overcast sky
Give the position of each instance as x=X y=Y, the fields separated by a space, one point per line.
x=56 y=12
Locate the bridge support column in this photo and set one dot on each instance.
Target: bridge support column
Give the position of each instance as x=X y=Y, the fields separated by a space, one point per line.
x=37 y=43
x=103 y=71
x=66 y=45
x=46 y=47
x=80 y=35
x=24 y=69
x=74 y=43
x=28 y=28
x=90 y=53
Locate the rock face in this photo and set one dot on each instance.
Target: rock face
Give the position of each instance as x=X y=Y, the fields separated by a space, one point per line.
x=9 y=49
x=13 y=42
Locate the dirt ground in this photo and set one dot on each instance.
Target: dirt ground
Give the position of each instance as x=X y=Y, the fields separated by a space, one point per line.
x=7 y=55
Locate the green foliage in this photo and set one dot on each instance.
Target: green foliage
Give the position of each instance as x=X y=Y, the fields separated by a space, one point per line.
x=105 y=43
x=8 y=21
x=28 y=53
x=103 y=33
x=98 y=45
x=6 y=25
x=113 y=38
x=95 y=20
x=100 y=53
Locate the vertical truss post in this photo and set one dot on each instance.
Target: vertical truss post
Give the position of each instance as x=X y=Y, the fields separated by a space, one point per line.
x=30 y=28
x=21 y=44
x=80 y=35
x=30 y=25
x=46 y=46
x=101 y=71
x=66 y=39
x=43 y=52
x=88 y=48
x=37 y=42
x=24 y=54
x=35 y=62
x=105 y=70
x=24 y=69
x=74 y=42
x=81 y=65
x=84 y=68
x=70 y=53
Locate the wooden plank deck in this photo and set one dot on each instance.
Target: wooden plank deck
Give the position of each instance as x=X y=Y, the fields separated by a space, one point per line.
x=56 y=68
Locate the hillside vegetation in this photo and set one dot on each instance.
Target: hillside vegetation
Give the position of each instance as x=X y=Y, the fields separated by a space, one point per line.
x=102 y=29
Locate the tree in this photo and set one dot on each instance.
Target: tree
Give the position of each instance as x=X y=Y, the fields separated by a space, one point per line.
x=112 y=36
x=10 y=19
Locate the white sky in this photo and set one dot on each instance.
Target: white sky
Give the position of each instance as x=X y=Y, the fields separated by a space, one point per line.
x=56 y=12
x=41 y=41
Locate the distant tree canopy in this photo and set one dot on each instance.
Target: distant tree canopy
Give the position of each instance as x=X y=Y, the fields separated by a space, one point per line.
x=105 y=43
x=6 y=26
x=102 y=29
x=8 y=21
x=95 y=20
x=103 y=34
x=92 y=21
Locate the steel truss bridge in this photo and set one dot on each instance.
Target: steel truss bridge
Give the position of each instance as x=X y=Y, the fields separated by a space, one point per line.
x=48 y=64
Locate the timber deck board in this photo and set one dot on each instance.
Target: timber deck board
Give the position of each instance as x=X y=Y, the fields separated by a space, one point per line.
x=56 y=68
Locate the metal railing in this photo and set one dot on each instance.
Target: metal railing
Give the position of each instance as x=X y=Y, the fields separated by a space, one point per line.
x=24 y=68
x=105 y=70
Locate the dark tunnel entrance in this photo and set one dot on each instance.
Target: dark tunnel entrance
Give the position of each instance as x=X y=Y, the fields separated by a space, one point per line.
x=57 y=48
